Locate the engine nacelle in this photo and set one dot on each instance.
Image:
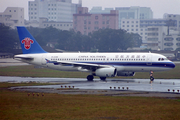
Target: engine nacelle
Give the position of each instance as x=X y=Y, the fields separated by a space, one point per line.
x=106 y=72
x=125 y=73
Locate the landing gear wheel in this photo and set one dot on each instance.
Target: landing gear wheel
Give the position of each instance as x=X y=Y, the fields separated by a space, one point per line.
x=151 y=78
x=90 y=77
x=103 y=78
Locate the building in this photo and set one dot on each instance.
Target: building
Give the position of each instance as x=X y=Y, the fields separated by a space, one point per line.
x=43 y=23
x=12 y=16
x=140 y=26
x=155 y=33
x=99 y=10
x=171 y=42
x=173 y=21
x=134 y=13
x=158 y=38
x=53 y=10
x=85 y=22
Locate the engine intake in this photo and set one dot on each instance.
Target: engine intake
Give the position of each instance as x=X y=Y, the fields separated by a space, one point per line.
x=106 y=72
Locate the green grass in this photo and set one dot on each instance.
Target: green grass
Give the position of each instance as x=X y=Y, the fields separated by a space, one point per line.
x=7 y=85
x=19 y=106
x=30 y=71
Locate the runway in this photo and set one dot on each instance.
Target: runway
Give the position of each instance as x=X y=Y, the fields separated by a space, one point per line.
x=159 y=85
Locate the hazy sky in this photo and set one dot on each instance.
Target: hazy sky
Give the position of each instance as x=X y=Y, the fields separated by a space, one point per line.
x=159 y=7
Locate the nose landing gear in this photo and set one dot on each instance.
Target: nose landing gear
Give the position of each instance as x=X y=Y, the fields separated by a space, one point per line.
x=151 y=77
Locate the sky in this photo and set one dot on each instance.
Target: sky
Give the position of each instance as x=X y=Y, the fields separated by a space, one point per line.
x=159 y=7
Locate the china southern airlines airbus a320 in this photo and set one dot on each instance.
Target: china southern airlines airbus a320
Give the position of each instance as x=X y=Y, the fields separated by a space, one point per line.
x=102 y=65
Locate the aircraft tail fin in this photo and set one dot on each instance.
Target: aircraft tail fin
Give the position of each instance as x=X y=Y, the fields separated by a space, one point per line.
x=28 y=44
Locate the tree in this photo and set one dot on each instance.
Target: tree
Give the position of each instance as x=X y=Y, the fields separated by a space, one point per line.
x=104 y=40
x=112 y=40
x=8 y=39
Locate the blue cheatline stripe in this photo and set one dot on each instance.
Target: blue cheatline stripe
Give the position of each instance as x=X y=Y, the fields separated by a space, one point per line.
x=133 y=64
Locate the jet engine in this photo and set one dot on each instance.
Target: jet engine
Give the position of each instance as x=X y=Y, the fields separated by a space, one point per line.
x=125 y=73
x=106 y=72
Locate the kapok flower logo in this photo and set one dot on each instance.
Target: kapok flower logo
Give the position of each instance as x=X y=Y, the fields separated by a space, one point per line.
x=27 y=43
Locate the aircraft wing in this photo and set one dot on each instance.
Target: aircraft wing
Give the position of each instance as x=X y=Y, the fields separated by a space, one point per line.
x=88 y=66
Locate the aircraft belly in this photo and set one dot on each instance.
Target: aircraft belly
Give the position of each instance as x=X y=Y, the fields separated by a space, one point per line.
x=143 y=69
x=62 y=68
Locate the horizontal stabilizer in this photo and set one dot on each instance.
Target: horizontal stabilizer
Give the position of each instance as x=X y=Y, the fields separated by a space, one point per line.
x=23 y=57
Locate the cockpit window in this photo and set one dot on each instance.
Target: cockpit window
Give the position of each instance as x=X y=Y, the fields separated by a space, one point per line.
x=162 y=59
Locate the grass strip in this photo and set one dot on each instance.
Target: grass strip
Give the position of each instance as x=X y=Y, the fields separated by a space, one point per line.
x=31 y=71
x=17 y=105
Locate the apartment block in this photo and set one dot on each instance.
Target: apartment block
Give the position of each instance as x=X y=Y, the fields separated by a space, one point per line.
x=134 y=12
x=54 y=10
x=12 y=16
x=85 y=22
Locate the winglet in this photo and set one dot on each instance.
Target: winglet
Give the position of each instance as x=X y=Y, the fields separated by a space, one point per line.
x=28 y=44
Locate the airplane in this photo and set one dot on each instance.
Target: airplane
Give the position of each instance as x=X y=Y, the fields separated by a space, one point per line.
x=103 y=65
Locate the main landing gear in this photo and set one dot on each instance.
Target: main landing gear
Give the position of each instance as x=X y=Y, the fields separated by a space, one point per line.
x=151 y=77
x=103 y=78
x=91 y=77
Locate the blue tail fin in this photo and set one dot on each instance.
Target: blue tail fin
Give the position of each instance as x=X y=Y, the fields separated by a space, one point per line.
x=28 y=44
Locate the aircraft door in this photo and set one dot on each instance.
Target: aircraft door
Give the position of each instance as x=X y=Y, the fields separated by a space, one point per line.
x=43 y=60
x=149 y=60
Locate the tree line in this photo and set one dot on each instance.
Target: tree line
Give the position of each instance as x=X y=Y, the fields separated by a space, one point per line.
x=103 y=40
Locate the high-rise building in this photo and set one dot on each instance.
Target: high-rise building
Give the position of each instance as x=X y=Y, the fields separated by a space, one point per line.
x=134 y=13
x=12 y=16
x=53 y=10
x=85 y=22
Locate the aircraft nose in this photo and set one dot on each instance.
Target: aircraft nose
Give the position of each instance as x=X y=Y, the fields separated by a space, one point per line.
x=173 y=65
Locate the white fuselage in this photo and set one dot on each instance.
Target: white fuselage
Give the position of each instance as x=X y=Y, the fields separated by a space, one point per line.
x=123 y=62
